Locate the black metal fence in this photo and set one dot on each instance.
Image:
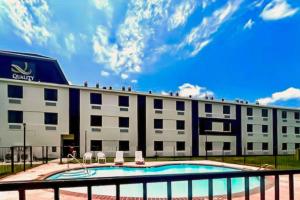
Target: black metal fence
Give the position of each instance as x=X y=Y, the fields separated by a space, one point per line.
x=56 y=185
x=13 y=159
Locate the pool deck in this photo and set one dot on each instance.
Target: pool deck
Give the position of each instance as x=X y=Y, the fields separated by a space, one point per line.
x=45 y=170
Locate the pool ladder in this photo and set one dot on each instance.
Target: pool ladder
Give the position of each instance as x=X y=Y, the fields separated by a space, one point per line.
x=81 y=164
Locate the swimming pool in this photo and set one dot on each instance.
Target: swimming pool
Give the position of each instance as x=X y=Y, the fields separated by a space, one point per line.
x=159 y=190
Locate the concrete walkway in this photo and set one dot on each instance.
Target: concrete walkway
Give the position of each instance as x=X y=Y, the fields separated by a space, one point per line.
x=42 y=171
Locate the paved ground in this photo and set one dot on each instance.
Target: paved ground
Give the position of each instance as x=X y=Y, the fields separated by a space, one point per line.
x=44 y=170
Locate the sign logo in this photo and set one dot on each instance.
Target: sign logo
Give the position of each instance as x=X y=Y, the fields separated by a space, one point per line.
x=22 y=71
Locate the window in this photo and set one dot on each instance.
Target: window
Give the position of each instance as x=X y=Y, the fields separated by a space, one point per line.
x=284 y=129
x=50 y=94
x=15 y=116
x=297 y=130
x=249 y=112
x=297 y=145
x=249 y=128
x=264 y=112
x=96 y=98
x=158 y=124
x=54 y=149
x=51 y=118
x=15 y=91
x=208 y=146
x=284 y=146
x=226 y=109
x=208 y=126
x=123 y=145
x=158 y=146
x=208 y=108
x=124 y=101
x=297 y=115
x=264 y=128
x=226 y=126
x=265 y=146
x=124 y=122
x=180 y=125
x=250 y=146
x=158 y=103
x=180 y=146
x=180 y=106
x=226 y=146
x=96 y=145
x=283 y=114
x=96 y=120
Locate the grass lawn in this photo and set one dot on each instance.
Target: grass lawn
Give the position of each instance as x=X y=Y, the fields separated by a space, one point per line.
x=283 y=162
x=5 y=170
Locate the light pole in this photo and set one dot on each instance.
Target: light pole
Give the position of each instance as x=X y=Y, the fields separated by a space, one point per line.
x=24 y=146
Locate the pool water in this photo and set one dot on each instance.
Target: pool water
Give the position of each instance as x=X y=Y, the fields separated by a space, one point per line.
x=159 y=190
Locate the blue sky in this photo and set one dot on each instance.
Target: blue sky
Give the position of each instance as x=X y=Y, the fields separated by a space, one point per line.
x=226 y=48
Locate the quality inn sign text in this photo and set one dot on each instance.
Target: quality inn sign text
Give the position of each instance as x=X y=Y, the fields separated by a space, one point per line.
x=20 y=73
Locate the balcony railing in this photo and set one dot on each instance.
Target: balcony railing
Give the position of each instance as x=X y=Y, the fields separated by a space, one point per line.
x=56 y=185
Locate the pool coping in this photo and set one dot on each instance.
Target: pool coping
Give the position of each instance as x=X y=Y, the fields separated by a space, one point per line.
x=269 y=182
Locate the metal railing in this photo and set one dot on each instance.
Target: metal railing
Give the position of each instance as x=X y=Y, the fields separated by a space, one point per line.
x=56 y=185
x=77 y=161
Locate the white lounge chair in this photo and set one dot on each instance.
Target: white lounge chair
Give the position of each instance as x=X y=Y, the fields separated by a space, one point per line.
x=139 y=160
x=101 y=156
x=87 y=156
x=119 y=160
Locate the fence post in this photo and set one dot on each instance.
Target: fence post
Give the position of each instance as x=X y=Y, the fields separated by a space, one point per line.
x=61 y=155
x=223 y=155
x=173 y=153
x=12 y=159
x=244 y=155
x=43 y=152
x=30 y=154
x=46 y=154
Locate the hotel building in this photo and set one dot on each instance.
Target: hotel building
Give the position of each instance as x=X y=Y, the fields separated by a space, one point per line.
x=35 y=92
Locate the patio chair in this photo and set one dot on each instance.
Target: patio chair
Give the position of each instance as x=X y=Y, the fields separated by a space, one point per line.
x=101 y=156
x=119 y=160
x=139 y=160
x=87 y=156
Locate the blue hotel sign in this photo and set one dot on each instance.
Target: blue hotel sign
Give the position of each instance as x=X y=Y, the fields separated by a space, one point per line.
x=22 y=70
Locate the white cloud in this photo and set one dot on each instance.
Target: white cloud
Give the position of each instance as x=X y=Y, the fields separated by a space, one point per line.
x=201 y=35
x=134 y=81
x=181 y=14
x=126 y=53
x=70 y=43
x=278 y=9
x=257 y=3
x=249 y=24
x=124 y=76
x=105 y=6
x=164 y=93
x=205 y=3
x=188 y=89
x=105 y=73
x=101 y=4
x=285 y=95
x=30 y=18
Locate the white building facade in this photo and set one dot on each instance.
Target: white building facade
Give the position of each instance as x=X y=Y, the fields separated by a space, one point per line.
x=34 y=92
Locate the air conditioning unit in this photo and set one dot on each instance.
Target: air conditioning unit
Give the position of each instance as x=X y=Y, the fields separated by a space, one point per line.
x=96 y=107
x=158 y=111
x=123 y=109
x=14 y=101
x=47 y=103
x=96 y=129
